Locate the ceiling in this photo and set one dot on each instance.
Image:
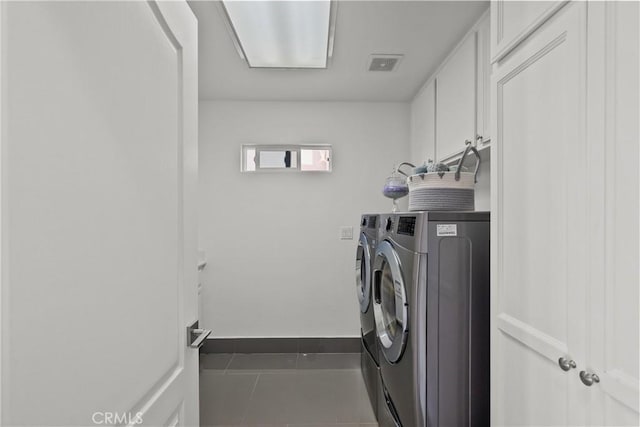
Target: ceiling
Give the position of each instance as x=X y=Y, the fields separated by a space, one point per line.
x=423 y=31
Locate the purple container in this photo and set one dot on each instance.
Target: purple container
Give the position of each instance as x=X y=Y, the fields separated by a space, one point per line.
x=395 y=191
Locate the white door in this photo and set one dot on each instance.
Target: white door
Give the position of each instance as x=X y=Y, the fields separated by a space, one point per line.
x=539 y=226
x=614 y=91
x=99 y=168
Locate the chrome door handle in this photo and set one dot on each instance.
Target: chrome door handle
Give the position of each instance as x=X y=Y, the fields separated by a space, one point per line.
x=200 y=336
x=196 y=336
x=566 y=364
x=588 y=378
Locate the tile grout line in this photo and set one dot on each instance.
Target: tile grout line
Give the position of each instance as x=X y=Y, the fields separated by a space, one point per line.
x=229 y=363
x=253 y=390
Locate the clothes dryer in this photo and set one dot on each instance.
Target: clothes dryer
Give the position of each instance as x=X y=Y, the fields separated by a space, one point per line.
x=431 y=308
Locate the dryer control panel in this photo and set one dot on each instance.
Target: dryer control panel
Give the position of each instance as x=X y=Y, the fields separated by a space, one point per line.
x=407 y=225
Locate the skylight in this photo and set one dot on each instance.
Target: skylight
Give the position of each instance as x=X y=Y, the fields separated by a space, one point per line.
x=282 y=34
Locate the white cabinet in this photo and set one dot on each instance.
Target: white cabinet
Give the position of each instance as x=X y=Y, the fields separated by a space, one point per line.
x=513 y=21
x=565 y=220
x=539 y=226
x=463 y=94
x=454 y=106
x=613 y=132
x=483 y=83
x=456 y=100
x=423 y=126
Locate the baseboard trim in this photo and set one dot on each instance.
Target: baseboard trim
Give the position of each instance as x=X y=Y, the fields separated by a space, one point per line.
x=282 y=345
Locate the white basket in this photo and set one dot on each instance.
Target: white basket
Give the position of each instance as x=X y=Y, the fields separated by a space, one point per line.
x=444 y=191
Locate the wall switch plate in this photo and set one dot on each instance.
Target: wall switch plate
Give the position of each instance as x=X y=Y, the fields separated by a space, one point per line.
x=346 y=233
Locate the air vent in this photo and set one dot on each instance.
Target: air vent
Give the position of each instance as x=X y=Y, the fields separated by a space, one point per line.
x=383 y=62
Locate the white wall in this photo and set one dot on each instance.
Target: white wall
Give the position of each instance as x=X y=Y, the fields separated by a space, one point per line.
x=276 y=267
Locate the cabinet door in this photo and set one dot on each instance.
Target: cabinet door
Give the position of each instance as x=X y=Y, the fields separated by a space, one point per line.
x=614 y=130
x=513 y=21
x=423 y=124
x=483 y=84
x=455 y=100
x=539 y=229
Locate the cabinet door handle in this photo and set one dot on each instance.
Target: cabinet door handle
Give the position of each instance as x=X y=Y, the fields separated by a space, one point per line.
x=566 y=364
x=589 y=378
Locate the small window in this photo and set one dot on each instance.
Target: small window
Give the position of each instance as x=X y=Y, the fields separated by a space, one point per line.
x=300 y=158
x=315 y=159
x=277 y=159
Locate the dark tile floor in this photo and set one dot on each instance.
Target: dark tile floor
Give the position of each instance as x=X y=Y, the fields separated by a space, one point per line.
x=284 y=390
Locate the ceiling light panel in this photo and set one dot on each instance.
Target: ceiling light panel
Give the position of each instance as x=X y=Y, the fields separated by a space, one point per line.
x=282 y=34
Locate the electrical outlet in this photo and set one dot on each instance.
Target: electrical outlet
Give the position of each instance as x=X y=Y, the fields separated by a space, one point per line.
x=346 y=233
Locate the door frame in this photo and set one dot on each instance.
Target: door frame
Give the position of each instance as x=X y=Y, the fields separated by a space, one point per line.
x=3 y=272
x=178 y=23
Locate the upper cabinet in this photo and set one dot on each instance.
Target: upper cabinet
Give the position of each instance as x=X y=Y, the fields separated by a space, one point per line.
x=516 y=20
x=483 y=83
x=423 y=126
x=463 y=99
x=456 y=100
x=454 y=105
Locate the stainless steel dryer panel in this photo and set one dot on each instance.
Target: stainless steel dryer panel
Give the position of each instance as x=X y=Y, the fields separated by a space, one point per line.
x=458 y=301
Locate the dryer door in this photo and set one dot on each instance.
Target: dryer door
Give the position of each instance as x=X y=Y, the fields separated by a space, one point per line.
x=390 y=306
x=363 y=272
